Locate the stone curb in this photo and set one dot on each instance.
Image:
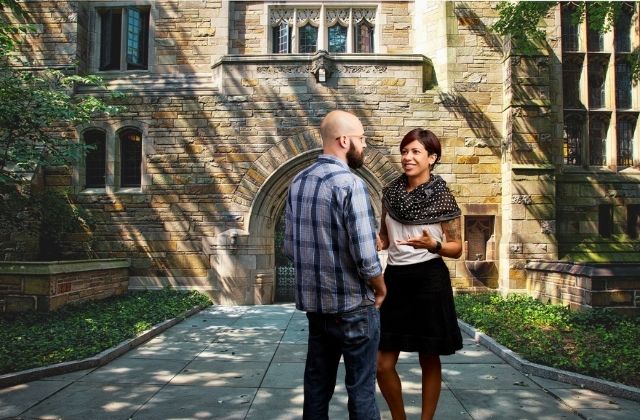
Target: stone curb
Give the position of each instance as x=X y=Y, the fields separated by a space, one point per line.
x=512 y=358
x=99 y=359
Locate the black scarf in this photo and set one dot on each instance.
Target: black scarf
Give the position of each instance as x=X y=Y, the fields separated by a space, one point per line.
x=429 y=203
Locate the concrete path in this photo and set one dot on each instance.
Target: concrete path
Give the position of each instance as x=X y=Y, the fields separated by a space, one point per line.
x=247 y=363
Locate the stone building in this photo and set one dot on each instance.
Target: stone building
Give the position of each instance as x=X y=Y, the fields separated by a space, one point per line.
x=223 y=108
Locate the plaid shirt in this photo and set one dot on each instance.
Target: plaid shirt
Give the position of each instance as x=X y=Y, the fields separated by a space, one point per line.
x=330 y=237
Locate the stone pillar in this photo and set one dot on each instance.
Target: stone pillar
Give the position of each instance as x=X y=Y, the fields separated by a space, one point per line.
x=528 y=173
x=241 y=268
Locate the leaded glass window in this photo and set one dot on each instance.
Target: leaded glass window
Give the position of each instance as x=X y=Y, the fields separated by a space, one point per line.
x=595 y=40
x=598 y=142
x=623 y=84
x=573 y=140
x=625 y=141
x=364 y=37
x=308 y=39
x=331 y=27
x=281 y=38
x=337 y=38
x=570 y=29
x=622 y=29
x=135 y=44
x=597 y=77
x=130 y=158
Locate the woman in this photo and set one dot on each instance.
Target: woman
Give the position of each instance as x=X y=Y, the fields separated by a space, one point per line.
x=420 y=225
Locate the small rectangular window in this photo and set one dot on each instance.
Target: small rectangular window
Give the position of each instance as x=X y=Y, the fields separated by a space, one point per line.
x=605 y=220
x=633 y=220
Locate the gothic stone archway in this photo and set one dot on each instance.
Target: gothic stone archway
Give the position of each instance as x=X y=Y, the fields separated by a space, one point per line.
x=264 y=189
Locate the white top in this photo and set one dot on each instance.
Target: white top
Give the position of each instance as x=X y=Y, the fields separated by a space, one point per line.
x=405 y=254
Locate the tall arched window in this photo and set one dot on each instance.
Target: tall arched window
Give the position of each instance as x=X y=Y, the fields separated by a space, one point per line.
x=623 y=84
x=571 y=73
x=95 y=160
x=573 y=139
x=622 y=29
x=570 y=29
x=130 y=157
x=597 y=78
x=598 y=141
x=625 y=131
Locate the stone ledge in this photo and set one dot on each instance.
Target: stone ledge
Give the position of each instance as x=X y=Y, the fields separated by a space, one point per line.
x=588 y=270
x=61 y=267
x=512 y=358
x=98 y=360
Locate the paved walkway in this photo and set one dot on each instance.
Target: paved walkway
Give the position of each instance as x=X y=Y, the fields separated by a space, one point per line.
x=247 y=363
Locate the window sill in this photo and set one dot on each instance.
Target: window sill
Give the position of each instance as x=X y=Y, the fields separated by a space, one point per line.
x=587 y=169
x=91 y=191
x=599 y=170
x=129 y=190
x=124 y=190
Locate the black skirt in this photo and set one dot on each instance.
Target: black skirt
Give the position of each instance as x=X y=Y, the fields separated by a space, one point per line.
x=418 y=314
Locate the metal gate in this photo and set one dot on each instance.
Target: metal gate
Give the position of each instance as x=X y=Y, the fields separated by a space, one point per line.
x=285 y=273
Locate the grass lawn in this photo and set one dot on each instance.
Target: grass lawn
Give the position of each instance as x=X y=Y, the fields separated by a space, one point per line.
x=598 y=343
x=29 y=340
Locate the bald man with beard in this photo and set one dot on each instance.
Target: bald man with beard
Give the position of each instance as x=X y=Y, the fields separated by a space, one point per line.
x=330 y=237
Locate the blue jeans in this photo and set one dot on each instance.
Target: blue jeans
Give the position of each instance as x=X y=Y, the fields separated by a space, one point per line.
x=355 y=336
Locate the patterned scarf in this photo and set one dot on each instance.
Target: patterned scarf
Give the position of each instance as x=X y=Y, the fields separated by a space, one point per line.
x=429 y=203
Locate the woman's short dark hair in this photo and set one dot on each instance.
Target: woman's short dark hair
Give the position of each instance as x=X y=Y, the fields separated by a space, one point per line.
x=426 y=138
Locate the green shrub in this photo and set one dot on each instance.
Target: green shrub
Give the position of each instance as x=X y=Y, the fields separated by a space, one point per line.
x=29 y=340
x=597 y=342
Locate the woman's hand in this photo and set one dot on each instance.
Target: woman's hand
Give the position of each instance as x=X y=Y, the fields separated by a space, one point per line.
x=451 y=245
x=425 y=241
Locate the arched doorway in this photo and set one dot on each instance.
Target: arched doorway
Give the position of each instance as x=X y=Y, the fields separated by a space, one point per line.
x=285 y=281
x=264 y=190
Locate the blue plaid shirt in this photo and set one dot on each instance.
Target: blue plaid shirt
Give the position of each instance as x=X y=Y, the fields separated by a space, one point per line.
x=330 y=237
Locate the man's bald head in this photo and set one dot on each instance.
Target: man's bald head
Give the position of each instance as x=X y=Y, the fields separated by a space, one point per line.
x=339 y=123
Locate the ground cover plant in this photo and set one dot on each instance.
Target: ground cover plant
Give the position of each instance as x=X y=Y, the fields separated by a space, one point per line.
x=598 y=342
x=29 y=340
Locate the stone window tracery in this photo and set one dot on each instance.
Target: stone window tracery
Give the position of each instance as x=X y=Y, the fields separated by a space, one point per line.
x=306 y=30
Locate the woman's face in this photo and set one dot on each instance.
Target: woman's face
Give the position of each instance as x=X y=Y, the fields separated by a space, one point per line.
x=416 y=161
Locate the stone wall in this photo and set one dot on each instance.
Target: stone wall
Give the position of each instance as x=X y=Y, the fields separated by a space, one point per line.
x=46 y=286
x=583 y=286
x=219 y=153
x=224 y=134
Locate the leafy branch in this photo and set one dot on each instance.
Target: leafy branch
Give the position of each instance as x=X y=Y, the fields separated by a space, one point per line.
x=521 y=20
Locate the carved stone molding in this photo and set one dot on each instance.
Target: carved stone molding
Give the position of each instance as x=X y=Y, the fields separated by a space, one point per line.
x=361 y=69
x=284 y=69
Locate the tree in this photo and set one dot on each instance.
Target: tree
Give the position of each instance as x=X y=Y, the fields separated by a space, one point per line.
x=36 y=106
x=38 y=109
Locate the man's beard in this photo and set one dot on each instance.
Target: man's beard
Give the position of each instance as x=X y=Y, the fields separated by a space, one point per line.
x=355 y=160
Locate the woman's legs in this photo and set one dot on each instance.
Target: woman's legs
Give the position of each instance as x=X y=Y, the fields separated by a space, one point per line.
x=431 y=383
x=389 y=383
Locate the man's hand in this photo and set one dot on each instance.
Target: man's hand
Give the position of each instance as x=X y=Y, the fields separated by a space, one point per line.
x=379 y=289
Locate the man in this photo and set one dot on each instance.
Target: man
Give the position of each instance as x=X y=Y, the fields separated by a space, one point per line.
x=330 y=237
